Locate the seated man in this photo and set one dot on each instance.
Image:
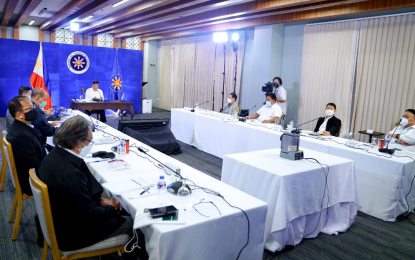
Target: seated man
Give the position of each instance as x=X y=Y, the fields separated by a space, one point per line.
x=28 y=150
x=328 y=125
x=232 y=106
x=23 y=91
x=268 y=113
x=405 y=132
x=95 y=94
x=41 y=124
x=89 y=218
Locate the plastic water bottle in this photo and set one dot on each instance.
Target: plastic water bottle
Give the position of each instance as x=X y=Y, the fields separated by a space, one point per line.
x=387 y=140
x=161 y=191
x=81 y=97
x=341 y=135
x=235 y=114
x=197 y=105
x=121 y=148
x=351 y=136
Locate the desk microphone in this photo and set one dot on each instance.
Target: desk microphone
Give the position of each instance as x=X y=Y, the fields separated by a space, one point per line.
x=296 y=131
x=242 y=119
x=193 y=110
x=386 y=150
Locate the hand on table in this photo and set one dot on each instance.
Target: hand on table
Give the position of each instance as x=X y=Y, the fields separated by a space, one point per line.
x=326 y=133
x=115 y=204
x=247 y=117
x=266 y=121
x=54 y=123
x=50 y=111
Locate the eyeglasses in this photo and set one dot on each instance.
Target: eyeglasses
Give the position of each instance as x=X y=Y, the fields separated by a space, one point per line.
x=205 y=202
x=91 y=141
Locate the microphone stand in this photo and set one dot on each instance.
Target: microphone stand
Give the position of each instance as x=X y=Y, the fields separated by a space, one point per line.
x=242 y=119
x=296 y=131
x=235 y=50
x=193 y=110
x=223 y=73
x=386 y=150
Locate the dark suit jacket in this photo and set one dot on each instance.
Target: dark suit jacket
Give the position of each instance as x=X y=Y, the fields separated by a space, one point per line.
x=75 y=195
x=333 y=125
x=28 y=151
x=42 y=126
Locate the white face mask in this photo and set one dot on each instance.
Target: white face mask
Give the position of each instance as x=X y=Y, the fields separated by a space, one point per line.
x=229 y=100
x=329 y=112
x=86 y=150
x=404 y=121
x=268 y=103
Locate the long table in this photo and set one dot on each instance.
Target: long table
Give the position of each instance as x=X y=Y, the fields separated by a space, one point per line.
x=383 y=181
x=102 y=105
x=300 y=205
x=214 y=237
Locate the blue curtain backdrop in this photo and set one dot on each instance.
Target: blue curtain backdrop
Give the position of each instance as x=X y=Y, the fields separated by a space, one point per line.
x=18 y=60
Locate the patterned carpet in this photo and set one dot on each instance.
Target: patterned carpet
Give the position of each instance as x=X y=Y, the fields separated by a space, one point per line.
x=368 y=238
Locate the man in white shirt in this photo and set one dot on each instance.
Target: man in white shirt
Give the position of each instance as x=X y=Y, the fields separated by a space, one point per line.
x=95 y=94
x=281 y=94
x=405 y=132
x=268 y=113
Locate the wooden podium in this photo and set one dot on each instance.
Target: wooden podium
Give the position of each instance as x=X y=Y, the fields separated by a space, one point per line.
x=106 y=104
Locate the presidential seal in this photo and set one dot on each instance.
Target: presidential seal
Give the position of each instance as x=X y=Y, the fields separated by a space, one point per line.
x=78 y=62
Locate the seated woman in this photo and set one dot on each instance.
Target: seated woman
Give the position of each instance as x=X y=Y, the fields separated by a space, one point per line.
x=80 y=216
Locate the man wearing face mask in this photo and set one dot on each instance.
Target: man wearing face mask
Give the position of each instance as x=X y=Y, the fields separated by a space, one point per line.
x=328 y=125
x=268 y=113
x=405 y=131
x=28 y=150
x=232 y=105
x=42 y=126
x=90 y=218
x=281 y=94
x=23 y=91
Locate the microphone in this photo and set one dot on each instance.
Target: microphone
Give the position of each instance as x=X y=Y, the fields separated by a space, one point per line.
x=386 y=150
x=242 y=119
x=174 y=187
x=193 y=110
x=296 y=131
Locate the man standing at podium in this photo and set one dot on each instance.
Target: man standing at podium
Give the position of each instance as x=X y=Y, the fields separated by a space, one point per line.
x=95 y=94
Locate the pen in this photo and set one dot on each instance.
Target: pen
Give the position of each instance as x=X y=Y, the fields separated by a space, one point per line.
x=136 y=182
x=98 y=161
x=145 y=191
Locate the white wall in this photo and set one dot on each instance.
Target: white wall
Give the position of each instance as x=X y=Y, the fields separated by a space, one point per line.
x=29 y=33
x=151 y=71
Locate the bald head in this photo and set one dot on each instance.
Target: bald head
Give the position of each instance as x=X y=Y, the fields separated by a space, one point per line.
x=39 y=92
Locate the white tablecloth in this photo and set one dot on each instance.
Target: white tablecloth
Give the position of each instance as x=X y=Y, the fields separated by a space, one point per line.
x=293 y=191
x=383 y=182
x=216 y=237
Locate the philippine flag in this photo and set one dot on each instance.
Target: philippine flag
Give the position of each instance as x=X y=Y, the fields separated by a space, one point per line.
x=39 y=77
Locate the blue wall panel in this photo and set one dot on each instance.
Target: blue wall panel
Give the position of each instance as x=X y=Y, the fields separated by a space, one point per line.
x=18 y=59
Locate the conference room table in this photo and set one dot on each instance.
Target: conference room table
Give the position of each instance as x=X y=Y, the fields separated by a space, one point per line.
x=213 y=237
x=383 y=180
x=102 y=105
x=301 y=204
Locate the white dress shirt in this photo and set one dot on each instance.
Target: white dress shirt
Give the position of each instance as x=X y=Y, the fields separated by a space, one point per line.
x=324 y=124
x=280 y=92
x=268 y=113
x=407 y=134
x=91 y=93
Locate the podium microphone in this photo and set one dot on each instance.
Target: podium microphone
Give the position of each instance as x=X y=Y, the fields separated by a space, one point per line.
x=386 y=150
x=242 y=119
x=193 y=110
x=296 y=131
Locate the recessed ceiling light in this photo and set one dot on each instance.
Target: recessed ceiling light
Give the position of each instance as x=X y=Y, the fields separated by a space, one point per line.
x=119 y=3
x=42 y=11
x=88 y=17
x=74 y=27
x=31 y=22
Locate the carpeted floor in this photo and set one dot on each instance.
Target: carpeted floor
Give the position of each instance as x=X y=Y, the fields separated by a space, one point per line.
x=368 y=238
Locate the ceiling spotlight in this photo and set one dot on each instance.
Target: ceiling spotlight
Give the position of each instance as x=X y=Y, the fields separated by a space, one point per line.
x=220 y=37
x=119 y=3
x=31 y=22
x=42 y=11
x=235 y=37
x=74 y=27
x=88 y=17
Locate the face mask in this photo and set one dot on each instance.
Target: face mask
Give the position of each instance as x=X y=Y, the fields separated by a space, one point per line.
x=31 y=115
x=404 y=121
x=268 y=103
x=329 y=112
x=43 y=104
x=229 y=100
x=86 y=150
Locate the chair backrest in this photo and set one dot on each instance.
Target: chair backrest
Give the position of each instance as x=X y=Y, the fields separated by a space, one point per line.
x=44 y=211
x=3 y=153
x=240 y=108
x=338 y=133
x=83 y=90
x=10 y=162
